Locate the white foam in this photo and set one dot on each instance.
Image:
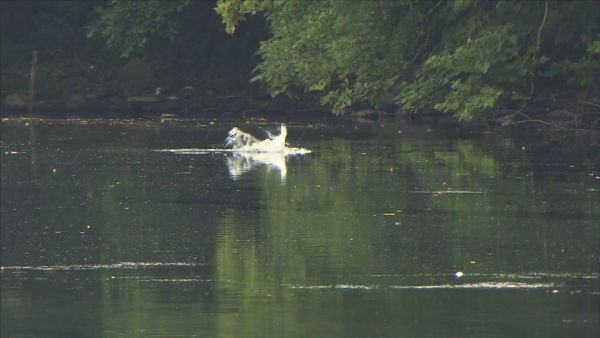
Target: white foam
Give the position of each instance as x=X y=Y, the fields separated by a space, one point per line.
x=196 y=151
x=335 y=286
x=482 y=285
x=113 y=266
x=442 y=192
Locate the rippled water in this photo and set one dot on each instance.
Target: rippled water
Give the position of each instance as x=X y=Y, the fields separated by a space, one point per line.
x=135 y=229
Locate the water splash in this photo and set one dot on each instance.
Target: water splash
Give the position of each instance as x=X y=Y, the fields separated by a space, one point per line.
x=247 y=152
x=243 y=142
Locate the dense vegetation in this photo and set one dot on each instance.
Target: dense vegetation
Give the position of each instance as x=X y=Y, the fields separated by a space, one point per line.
x=84 y=45
x=56 y=30
x=474 y=59
x=465 y=56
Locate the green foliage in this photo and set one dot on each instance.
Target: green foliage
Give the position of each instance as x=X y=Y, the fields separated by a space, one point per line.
x=594 y=47
x=466 y=57
x=68 y=62
x=49 y=25
x=184 y=38
x=234 y=11
x=128 y=25
x=467 y=80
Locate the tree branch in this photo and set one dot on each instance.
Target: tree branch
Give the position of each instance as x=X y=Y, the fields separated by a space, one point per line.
x=537 y=45
x=590 y=104
x=528 y=119
x=414 y=58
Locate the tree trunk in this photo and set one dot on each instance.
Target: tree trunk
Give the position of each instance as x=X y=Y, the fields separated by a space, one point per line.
x=32 y=81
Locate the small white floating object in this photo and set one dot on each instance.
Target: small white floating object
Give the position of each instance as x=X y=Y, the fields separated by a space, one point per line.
x=459 y=274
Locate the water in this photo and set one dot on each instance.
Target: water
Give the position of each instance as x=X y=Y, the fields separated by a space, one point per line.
x=382 y=231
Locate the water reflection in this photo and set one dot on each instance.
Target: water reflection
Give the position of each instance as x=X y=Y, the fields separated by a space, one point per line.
x=364 y=238
x=240 y=163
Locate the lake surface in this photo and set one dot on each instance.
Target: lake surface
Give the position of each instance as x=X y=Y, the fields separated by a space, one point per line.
x=384 y=230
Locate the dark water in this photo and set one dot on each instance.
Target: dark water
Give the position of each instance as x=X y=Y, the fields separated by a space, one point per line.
x=103 y=236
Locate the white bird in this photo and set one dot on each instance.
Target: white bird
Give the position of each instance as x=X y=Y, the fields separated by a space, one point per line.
x=243 y=142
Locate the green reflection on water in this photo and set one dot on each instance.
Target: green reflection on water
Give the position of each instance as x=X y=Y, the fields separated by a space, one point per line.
x=339 y=247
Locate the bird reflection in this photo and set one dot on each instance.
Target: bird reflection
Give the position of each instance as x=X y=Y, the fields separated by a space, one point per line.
x=240 y=163
x=249 y=152
x=246 y=152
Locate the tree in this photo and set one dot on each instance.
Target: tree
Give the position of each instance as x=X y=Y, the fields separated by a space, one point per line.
x=127 y=26
x=185 y=34
x=468 y=57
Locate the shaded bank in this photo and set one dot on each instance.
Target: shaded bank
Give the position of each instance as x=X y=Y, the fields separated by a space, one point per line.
x=173 y=57
x=200 y=72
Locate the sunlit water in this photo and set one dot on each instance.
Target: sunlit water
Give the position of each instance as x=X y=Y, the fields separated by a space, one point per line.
x=136 y=229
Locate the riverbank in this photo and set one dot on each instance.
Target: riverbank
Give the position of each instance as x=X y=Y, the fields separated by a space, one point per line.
x=81 y=85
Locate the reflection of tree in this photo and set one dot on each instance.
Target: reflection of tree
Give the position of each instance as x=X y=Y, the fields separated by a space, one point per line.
x=345 y=215
x=350 y=211
x=160 y=216
x=334 y=220
x=43 y=202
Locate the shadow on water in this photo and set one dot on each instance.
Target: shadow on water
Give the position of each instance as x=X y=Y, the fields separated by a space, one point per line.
x=385 y=230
